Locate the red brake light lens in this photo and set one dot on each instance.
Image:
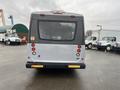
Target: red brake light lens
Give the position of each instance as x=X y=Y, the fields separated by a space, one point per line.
x=33 y=44
x=33 y=49
x=78 y=50
x=79 y=46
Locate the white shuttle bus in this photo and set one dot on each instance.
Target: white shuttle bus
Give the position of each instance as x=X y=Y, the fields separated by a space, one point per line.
x=56 y=40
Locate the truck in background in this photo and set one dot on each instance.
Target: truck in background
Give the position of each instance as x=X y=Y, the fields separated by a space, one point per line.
x=10 y=37
x=104 y=39
x=117 y=47
x=91 y=41
x=108 y=39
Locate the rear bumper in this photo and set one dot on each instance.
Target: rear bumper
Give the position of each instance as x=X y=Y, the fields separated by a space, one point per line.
x=55 y=65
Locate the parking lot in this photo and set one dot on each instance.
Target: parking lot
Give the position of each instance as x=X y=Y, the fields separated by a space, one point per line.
x=102 y=72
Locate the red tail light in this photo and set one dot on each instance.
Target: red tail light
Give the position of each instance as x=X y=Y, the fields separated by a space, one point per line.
x=33 y=49
x=79 y=46
x=78 y=50
x=33 y=44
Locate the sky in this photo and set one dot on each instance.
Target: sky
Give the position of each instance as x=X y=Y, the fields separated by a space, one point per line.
x=102 y=12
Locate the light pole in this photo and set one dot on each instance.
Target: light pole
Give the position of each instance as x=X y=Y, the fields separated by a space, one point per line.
x=99 y=31
x=100 y=27
x=11 y=17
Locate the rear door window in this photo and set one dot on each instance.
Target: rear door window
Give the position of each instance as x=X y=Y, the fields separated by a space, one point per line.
x=57 y=30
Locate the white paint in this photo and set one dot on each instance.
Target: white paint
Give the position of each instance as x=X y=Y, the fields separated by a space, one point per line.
x=56 y=53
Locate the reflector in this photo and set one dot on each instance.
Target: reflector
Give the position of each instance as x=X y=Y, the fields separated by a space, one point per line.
x=37 y=66
x=73 y=66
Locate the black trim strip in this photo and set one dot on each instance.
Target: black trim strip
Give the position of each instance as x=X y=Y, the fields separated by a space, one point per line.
x=55 y=65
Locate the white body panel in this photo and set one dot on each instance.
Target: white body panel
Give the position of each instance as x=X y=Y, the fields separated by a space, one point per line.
x=56 y=53
x=13 y=39
x=2 y=36
x=91 y=41
x=117 y=45
x=105 y=43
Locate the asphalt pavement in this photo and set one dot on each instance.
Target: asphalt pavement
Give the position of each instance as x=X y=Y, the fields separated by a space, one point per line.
x=102 y=72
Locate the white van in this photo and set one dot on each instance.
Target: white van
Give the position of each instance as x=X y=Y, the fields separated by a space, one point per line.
x=56 y=40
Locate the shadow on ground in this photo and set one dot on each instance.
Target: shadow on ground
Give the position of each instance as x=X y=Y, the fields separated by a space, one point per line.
x=55 y=80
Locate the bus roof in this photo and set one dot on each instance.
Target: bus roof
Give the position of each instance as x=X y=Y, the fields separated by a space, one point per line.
x=56 y=13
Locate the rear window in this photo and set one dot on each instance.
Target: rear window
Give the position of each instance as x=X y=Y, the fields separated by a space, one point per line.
x=57 y=30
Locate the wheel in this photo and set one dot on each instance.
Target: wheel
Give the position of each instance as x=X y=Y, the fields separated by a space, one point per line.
x=108 y=48
x=8 y=42
x=89 y=46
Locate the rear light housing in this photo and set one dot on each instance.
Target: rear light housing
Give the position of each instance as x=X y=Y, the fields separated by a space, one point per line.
x=78 y=50
x=33 y=48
